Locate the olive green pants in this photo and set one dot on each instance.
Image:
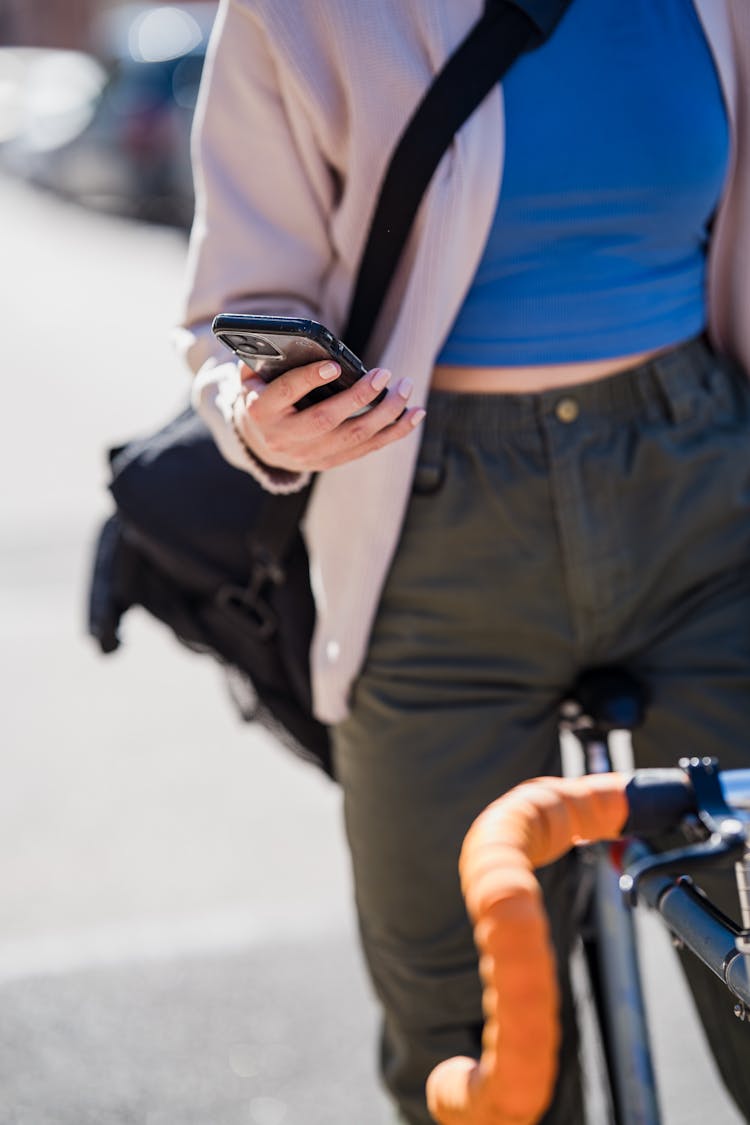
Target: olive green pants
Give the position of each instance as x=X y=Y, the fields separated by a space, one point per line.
x=547 y=533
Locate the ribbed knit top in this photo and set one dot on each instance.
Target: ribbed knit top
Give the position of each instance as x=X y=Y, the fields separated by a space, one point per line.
x=617 y=148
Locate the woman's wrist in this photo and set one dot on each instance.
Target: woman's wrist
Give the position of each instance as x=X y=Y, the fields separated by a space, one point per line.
x=215 y=391
x=251 y=455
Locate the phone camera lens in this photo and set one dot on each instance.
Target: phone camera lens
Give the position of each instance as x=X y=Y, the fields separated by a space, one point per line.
x=252 y=345
x=246 y=343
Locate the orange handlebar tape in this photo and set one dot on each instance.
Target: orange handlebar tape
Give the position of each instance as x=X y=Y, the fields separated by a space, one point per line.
x=530 y=826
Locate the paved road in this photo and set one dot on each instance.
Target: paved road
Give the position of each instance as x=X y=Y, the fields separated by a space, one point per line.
x=176 y=937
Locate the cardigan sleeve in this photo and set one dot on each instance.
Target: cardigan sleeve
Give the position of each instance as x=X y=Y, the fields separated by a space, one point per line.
x=260 y=240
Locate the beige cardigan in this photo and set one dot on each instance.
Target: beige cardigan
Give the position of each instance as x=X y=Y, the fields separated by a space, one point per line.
x=302 y=102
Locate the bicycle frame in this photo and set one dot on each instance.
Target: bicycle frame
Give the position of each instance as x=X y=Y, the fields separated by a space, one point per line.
x=609 y=939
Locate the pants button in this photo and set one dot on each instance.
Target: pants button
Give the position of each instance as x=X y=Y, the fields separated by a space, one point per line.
x=567 y=410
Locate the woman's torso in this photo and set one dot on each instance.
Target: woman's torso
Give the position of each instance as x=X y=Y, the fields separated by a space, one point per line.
x=393 y=52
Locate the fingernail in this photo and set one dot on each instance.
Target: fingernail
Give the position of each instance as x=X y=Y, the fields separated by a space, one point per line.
x=328 y=370
x=405 y=388
x=380 y=379
x=417 y=417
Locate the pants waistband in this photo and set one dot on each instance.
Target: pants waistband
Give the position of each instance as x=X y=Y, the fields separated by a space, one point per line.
x=663 y=384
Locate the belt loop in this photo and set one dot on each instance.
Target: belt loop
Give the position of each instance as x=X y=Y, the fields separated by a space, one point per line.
x=429 y=469
x=676 y=385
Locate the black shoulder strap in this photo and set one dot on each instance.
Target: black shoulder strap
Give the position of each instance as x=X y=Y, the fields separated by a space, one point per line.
x=506 y=29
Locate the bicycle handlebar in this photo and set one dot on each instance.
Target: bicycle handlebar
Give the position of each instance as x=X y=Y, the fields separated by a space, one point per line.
x=532 y=825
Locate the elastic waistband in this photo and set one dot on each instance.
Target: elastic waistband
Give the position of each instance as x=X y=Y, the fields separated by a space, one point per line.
x=664 y=384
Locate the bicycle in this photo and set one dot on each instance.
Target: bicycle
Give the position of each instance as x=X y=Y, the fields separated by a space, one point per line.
x=538 y=822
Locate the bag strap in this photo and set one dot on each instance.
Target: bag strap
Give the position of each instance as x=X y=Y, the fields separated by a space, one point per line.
x=506 y=29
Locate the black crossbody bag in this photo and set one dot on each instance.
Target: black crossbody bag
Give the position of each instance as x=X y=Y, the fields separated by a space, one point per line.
x=198 y=543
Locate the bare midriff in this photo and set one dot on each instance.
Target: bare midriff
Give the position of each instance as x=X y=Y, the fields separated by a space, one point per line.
x=520 y=380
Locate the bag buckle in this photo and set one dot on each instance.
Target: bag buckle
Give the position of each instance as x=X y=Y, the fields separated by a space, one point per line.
x=248 y=602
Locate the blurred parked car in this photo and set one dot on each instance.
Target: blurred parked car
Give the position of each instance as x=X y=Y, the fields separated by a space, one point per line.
x=131 y=153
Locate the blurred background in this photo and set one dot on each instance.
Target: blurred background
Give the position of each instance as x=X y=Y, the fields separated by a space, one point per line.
x=177 y=942
x=96 y=101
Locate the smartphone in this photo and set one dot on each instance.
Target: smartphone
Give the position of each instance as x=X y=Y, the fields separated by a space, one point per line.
x=271 y=345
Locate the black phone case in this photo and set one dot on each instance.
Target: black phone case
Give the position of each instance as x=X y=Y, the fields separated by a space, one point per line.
x=271 y=345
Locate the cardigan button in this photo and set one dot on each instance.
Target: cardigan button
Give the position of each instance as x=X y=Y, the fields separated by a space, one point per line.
x=333 y=651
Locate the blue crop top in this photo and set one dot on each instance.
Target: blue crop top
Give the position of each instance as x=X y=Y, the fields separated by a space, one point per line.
x=616 y=149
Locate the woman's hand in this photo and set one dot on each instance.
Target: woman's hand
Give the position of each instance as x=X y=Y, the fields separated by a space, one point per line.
x=326 y=434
